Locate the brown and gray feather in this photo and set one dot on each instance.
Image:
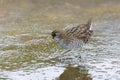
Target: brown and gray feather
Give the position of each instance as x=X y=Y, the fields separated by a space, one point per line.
x=82 y=31
x=73 y=37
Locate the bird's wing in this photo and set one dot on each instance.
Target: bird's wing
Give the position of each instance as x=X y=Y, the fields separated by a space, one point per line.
x=80 y=31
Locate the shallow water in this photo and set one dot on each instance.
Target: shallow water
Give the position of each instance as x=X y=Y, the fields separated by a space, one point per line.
x=27 y=53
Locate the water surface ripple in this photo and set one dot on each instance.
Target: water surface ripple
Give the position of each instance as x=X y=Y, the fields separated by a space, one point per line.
x=27 y=52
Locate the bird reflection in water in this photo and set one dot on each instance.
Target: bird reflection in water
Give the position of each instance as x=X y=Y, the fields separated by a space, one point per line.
x=75 y=73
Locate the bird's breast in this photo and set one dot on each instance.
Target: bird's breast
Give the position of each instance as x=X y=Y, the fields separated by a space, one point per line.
x=72 y=45
x=61 y=42
x=75 y=44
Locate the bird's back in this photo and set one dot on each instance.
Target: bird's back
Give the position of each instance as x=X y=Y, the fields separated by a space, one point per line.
x=81 y=32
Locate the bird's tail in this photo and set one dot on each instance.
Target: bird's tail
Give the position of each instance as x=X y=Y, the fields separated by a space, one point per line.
x=89 y=23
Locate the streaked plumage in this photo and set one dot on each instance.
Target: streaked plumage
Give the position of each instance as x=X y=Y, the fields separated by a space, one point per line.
x=74 y=37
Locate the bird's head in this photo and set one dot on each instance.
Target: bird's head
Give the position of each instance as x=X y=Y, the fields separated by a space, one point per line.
x=56 y=33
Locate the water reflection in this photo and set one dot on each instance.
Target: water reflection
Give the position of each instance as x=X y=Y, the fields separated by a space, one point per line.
x=75 y=73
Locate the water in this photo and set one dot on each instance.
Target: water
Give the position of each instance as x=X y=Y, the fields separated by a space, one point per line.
x=27 y=53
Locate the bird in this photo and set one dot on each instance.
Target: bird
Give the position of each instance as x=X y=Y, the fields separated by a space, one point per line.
x=75 y=37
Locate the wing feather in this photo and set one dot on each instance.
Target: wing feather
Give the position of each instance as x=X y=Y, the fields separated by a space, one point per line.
x=80 y=31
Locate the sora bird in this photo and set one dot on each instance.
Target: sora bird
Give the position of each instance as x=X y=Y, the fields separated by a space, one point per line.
x=73 y=38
